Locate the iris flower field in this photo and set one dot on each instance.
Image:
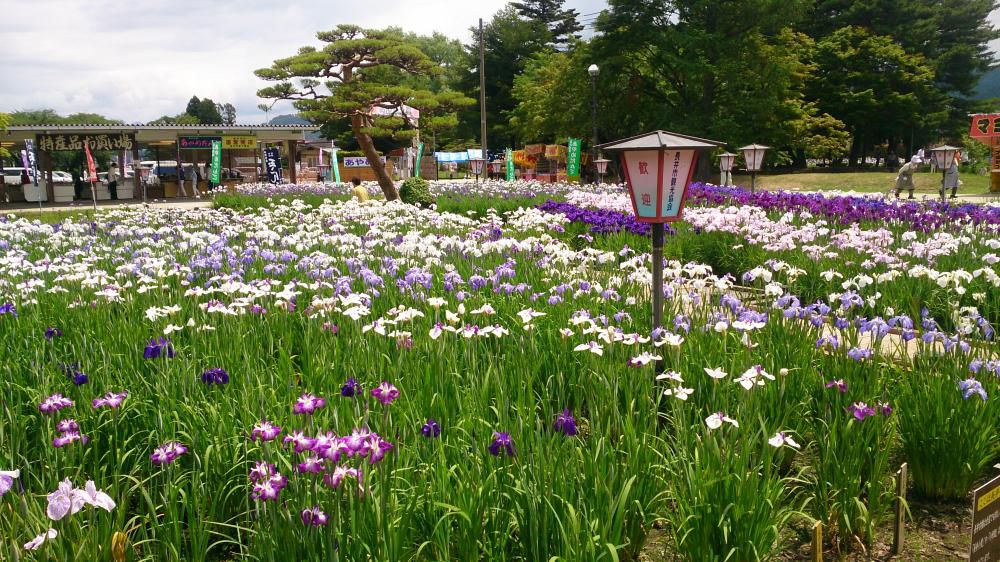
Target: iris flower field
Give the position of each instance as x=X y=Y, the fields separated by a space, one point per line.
x=293 y=375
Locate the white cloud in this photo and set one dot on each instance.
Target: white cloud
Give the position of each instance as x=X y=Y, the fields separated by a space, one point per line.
x=138 y=60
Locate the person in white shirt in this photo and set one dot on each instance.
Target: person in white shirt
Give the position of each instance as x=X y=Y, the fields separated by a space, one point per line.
x=113 y=180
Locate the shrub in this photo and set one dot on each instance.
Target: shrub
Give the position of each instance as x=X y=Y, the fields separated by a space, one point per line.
x=416 y=191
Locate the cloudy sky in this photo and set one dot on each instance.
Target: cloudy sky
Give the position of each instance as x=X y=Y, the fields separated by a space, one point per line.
x=138 y=60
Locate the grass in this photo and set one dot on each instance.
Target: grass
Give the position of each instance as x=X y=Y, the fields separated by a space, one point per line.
x=868 y=182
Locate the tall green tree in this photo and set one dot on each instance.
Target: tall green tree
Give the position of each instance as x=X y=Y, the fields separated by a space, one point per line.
x=552 y=97
x=353 y=73
x=4 y=123
x=873 y=85
x=561 y=23
x=204 y=110
x=228 y=113
x=731 y=70
x=509 y=42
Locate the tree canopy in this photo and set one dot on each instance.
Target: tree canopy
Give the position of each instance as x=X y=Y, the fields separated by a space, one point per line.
x=364 y=76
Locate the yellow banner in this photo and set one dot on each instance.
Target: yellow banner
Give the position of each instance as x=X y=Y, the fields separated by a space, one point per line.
x=239 y=141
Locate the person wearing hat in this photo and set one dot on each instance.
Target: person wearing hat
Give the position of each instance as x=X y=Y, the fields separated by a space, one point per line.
x=904 y=179
x=951 y=177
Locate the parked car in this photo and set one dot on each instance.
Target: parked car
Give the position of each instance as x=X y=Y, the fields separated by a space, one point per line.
x=62 y=177
x=12 y=176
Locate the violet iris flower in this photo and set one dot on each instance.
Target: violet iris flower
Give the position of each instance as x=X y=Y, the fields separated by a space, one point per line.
x=111 y=400
x=971 y=386
x=565 y=423
x=431 y=429
x=839 y=384
x=8 y=308
x=215 y=376
x=54 y=403
x=167 y=453
x=860 y=411
x=502 y=442
x=265 y=431
x=53 y=332
x=74 y=374
x=351 y=388
x=159 y=347
x=7 y=480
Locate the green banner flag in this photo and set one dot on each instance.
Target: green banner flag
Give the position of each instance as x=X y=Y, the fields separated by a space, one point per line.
x=420 y=154
x=573 y=159
x=216 y=162
x=510 y=165
x=335 y=165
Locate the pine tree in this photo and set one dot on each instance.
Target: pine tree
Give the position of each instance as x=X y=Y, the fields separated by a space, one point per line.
x=561 y=23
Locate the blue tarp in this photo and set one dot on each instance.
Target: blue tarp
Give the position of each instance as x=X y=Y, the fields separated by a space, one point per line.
x=463 y=156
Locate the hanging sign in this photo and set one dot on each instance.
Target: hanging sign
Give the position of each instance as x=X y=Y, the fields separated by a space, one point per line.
x=272 y=162
x=510 y=164
x=193 y=143
x=238 y=142
x=985 y=127
x=573 y=162
x=358 y=162
x=64 y=142
x=29 y=147
x=216 y=162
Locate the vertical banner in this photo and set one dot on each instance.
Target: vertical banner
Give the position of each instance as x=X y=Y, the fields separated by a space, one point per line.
x=573 y=160
x=335 y=164
x=510 y=164
x=272 y=162
x=420 y=154
x=216 y=174
x=29 y=146
x=91 y=168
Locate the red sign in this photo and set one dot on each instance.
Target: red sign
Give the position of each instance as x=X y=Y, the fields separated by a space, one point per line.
x=985 y=127
x=90 y=163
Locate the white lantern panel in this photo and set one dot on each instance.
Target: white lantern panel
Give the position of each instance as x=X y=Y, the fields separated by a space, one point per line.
x=677 y=170
x=641 y=167
x=754 y=158
x=726 y=162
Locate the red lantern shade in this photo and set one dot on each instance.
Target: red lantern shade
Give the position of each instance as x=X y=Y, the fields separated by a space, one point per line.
x=658 y=168
x=602 y=165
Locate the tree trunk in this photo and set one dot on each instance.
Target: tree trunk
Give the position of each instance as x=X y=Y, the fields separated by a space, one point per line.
x=368 y=147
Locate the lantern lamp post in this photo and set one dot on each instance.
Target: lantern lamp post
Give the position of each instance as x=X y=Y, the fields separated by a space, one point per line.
x=753 y=155
x=601 y=165
x=477 y=166
x=726 y=160
x=944 y=156
x=496 y=166
x=658 y=168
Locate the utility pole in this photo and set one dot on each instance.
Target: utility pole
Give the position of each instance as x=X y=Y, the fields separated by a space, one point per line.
x=482 y=90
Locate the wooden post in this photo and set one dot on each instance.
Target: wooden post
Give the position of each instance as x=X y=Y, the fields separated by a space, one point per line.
x=899 y=523
x=817 y=542
x=292 y=174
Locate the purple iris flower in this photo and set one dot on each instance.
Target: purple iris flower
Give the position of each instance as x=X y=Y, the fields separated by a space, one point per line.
x=502 y=442
x=69 y=437
x=8 y=308
x=860 y=411
x=168 y=453
x=111 y=400
x=859 y=354
x=53 y=332
x=310 y=465
x=839 y=384
x=74 y=374
x=351 y=388
x=565 y=423
x=217 y=376
x=158 y=347
x=385 y=393
x=265 y=431
x=971 y=386
x=314 y=517
x=67 y=425
x=308 y=403
x=54 y=403
x=431 y=429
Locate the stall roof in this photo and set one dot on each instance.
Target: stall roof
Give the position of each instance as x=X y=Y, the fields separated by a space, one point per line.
x=153 y=133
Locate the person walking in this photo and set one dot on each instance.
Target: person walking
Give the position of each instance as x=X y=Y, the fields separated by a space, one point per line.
x=951 y=177
x=904 y=180
x=113 y=180
x=181 y=179
x=194 y=181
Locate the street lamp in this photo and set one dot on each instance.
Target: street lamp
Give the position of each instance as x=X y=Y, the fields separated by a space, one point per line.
x=658 y=168
x=496 y=166
x=753 y=155
x=726 y=160
x=601 y=165
x=477 y=166
x=944 y=156
x=593 y=71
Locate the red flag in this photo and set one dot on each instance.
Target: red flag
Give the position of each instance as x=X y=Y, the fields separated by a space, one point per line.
x=91 y=168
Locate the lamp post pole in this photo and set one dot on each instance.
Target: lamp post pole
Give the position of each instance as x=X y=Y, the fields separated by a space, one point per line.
x=658 y=283
x=593 y=70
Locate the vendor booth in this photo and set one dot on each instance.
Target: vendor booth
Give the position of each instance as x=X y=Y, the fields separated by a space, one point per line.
x=149 y=158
